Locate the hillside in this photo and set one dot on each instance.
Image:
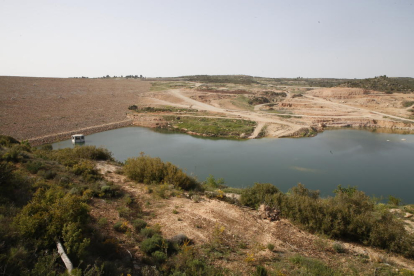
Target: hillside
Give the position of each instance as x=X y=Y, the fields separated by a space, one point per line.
x=36 y=107
x=384 y=84
x=147 y=217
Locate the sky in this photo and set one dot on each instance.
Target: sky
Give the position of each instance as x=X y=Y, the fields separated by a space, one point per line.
x=169 y=38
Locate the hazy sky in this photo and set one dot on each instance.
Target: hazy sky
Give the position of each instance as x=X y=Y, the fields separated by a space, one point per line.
x=269 y=38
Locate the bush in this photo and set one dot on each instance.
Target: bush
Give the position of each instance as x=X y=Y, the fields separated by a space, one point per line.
x=149 y=170
x=7 y=141
x=121 y=226
x=45 y=217
x=148 y=232
x=338 y=247
x=34 y=166
x=47 y=147
x=12 y=154
x=87 y=170
x=139 y=224
x=150 y=245
x=270 y=246
x=311 y=266
x=108 y=190
x=72 y=156
x=159 y=256
x=407 y=103
x=48 y=174
x=394 y=200
x=260 y=271
x=256 y=195
x=349 y=215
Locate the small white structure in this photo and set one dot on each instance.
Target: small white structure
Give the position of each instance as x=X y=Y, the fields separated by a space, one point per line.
x=78 y=138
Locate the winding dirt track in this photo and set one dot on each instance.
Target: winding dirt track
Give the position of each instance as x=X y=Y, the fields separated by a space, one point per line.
x=260 y=118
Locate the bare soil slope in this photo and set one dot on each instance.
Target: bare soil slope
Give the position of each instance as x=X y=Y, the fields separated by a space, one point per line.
x=33 y=107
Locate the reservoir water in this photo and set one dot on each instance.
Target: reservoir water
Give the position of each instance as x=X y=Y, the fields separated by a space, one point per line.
x=379 y=164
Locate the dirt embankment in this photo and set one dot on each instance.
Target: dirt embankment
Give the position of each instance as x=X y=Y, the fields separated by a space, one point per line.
x=38 y=107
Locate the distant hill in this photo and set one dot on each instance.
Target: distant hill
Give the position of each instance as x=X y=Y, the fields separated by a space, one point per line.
x=236 y=79
x=384 y=84
x=380 y=83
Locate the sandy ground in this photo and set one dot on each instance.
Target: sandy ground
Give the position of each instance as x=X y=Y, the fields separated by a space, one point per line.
x=332 y=107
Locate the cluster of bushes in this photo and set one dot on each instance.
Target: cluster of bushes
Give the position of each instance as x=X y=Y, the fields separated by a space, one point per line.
x=258 y=100
x=43 y=202
x=236 y=79
x=349 y=215
x=148 y=170
x=228 y=128
x=384 y=84
x=161 y=109
x=71 y=156
x=407 y=103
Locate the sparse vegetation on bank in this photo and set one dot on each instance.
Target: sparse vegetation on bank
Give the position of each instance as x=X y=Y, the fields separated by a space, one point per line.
x=148 y=170
x=350 y=215
x=212 y=127
x=161 y=109
x=384 y=84
x=236 y=79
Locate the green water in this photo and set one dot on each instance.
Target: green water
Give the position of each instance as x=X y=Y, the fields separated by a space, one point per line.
x=379 y=164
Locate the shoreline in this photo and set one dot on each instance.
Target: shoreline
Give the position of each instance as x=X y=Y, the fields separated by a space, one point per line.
x=52 y=138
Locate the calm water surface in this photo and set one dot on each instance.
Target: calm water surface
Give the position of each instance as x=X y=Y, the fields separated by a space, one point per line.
x=379 y=164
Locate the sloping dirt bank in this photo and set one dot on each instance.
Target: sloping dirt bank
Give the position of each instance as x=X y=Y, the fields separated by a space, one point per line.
x=40 y=107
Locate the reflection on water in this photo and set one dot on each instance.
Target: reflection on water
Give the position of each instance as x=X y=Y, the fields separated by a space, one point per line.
x=378 y=163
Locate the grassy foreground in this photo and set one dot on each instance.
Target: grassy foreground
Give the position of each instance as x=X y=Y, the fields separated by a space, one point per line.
x=48 y=197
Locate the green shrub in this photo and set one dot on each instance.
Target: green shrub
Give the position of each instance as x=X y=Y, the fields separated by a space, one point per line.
x=260 y=271
x=312 y=267
x=152 y=244
x=108 y=190
x=13 y=154
x=349 y=215
x=103 y=222
x=149 y=170
x=256 y=195
x=407 y=103
x=124 y=212
x=34 y=166
x=7 y=141
x=270 y=246
x=72 y=156
x=44 y=218
x=121 y=226
x=47 y=147
x=148 y=232
x=139 y=224
x=213 y=183
x=47 y=174
x=159 y=256
x=338 y=247
x=394 y=200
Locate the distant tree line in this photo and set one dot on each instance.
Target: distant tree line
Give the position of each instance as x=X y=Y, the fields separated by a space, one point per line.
x=109 y=77
x=127 y=77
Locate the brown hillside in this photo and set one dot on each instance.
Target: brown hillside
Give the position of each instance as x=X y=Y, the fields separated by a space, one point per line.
x=33 y=107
